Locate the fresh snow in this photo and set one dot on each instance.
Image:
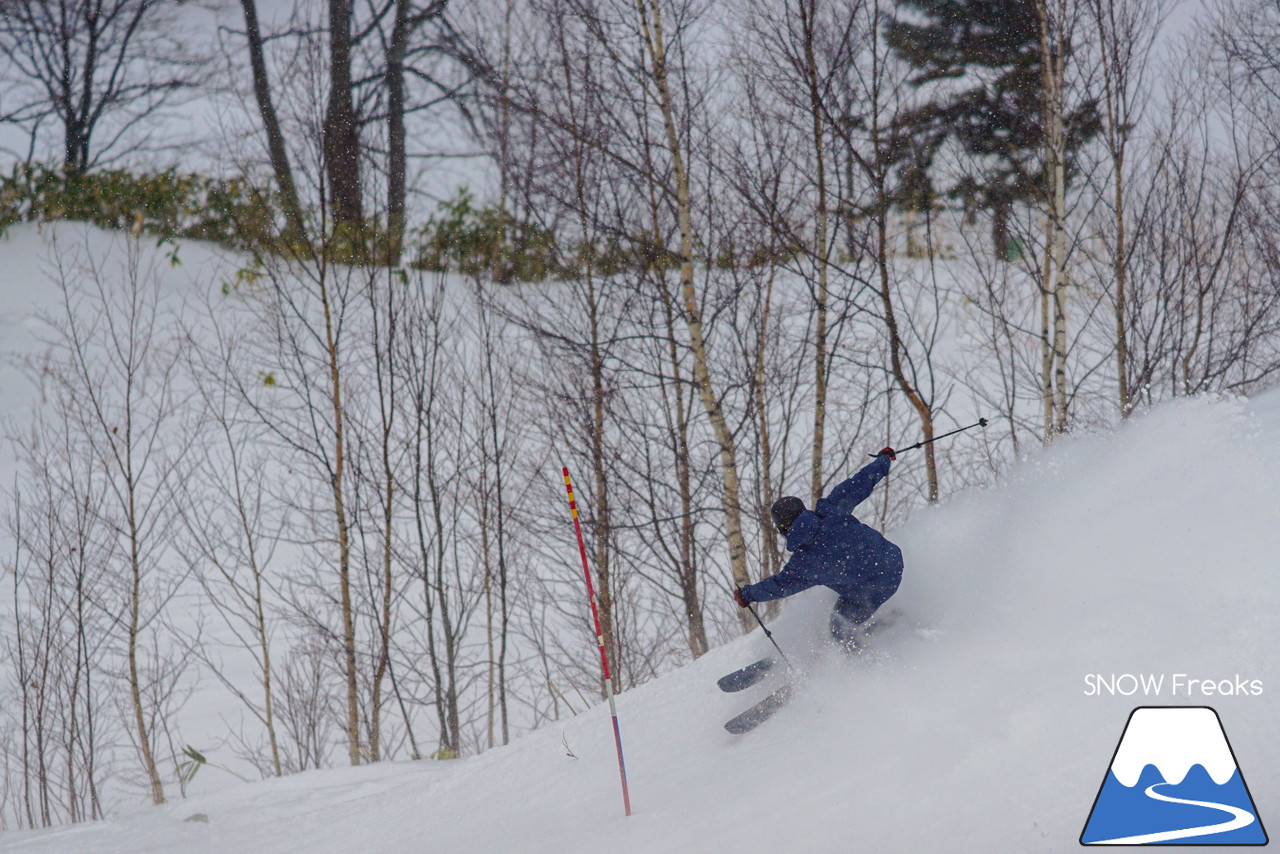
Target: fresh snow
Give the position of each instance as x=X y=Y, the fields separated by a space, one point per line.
x=30 y=254
x=968 y=728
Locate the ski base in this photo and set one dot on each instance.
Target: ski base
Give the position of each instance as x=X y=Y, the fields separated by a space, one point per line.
x=740 y=680
x=760 y=712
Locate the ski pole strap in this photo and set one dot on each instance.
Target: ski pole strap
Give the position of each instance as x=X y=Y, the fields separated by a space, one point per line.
x=981 y=422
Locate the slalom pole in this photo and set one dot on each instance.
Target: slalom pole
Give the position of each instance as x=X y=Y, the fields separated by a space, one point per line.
x=604 y=658
x=981 y=422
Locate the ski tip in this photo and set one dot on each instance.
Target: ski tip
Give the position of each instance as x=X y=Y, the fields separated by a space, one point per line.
x=760 y=712
x=743 y=726
x=745 y=677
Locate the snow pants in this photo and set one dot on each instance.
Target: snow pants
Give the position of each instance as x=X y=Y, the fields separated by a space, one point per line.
x=850 y=612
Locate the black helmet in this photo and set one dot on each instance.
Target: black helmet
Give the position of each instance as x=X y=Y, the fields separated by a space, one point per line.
x=785 y=510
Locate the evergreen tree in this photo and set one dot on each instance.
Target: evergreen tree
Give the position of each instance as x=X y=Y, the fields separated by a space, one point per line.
x=982 y=61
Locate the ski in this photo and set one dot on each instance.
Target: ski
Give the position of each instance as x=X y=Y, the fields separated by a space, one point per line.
x=743 y=678
x=760 y=712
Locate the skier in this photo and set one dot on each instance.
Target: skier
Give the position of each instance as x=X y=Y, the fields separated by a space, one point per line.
x=833 y=548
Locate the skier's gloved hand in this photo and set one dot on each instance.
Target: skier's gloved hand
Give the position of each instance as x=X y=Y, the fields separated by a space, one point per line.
x=893 y=455
x=737 y=597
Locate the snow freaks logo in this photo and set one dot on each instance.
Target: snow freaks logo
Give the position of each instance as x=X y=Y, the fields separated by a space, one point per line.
x=1173 y=779
x=1177 y=685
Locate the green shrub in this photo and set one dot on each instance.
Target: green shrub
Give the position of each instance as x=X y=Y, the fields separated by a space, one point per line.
x=168 y=204
x=460 y=237
x=463 y=238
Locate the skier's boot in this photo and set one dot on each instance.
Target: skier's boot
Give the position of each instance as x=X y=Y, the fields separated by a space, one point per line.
x=845 y=634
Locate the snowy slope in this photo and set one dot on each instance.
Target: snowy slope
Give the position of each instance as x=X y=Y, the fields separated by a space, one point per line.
x=29 y=296
x=1148 y=551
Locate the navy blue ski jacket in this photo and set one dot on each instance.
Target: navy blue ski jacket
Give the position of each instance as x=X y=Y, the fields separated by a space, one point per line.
x=833 y=548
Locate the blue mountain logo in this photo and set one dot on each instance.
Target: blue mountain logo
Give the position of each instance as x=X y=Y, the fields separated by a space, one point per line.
x=1174 y=780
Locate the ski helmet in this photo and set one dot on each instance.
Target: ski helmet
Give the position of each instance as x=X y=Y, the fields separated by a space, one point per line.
x=785 y=510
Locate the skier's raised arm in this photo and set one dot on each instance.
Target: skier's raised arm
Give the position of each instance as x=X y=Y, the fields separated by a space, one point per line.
x=857 y=489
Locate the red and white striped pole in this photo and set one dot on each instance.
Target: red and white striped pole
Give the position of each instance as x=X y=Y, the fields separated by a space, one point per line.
x=604 y=658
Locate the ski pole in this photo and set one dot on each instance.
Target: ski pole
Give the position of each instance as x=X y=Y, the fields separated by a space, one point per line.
x=981 y=422
x=769 y=635
x=604 y=658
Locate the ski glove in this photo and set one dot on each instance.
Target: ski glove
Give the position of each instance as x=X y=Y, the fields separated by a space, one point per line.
x=737 y=597
x=893 y=455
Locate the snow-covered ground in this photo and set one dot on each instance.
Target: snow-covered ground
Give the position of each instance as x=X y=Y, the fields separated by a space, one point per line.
x=30 y=298
x=968 y=728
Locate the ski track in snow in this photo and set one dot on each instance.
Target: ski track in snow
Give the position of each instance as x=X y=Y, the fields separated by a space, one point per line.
x=1240 y=818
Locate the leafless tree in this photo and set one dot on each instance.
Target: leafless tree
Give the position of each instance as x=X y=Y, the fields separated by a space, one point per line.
x=58 y=643
x=301 y=319
x=1203 y=302
x=662 y=29
x=1247 y=34
x=1123 y=32
x=342 y=147
x=433 y=485
x=418 y=31
x=277 y=148
x=762 y=167
x=116 y=362
x=1058 y=21
x=497 y=462
x=307 y=707
x=557 y=102
x=379 y=451
x=863 y=113
x=802 y=55
x=94 y=67
x=234 y=526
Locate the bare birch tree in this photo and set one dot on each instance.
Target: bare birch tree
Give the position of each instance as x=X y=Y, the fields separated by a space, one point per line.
x=652 y=16
x=1123 y=34
x=1057 y=20
x=293 y=381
